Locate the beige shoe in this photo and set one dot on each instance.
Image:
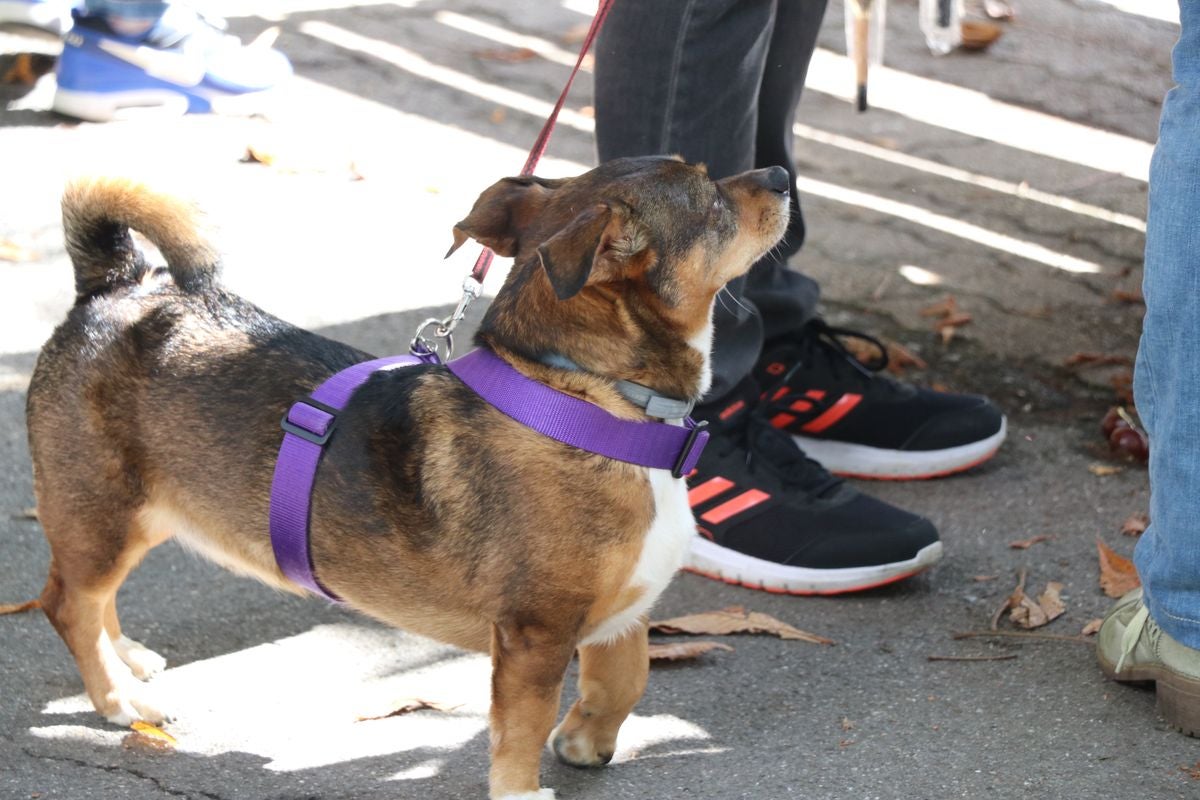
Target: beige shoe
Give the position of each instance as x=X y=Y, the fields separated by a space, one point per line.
x=1131 y=648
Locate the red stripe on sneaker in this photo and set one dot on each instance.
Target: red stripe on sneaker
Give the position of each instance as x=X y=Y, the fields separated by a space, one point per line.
x=780 y=392
x=782 y=420
x=733 y=409
x=815 y=394
x=708 y=490
x=844 y=405
x=801 y=405
x=743 y=502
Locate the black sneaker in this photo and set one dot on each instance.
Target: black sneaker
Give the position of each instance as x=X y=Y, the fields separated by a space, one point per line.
x=860 y=423
x=769 y=518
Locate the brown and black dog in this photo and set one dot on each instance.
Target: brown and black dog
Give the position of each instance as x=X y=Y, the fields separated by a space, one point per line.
x=154 y=413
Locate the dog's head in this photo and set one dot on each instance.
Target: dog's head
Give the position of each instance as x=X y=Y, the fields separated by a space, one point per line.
x=617 y=269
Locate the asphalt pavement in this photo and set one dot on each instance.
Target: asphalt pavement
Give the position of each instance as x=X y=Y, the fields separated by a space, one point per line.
x=1013 y=180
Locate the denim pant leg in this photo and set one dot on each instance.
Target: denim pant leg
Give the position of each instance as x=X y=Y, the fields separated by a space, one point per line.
x=687 y=77
x=1167 y=379
x=130 y=10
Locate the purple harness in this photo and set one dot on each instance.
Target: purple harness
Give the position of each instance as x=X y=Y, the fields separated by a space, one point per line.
x=310 y=422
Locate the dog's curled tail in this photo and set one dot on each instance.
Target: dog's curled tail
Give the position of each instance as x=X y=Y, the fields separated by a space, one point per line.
x=97 y=216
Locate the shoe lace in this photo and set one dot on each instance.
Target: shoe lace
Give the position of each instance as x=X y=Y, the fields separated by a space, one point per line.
x=1132 y=634
x=821 y=343
x=772 y=450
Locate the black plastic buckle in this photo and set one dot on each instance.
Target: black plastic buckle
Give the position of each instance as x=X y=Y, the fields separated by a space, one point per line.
x=304 y=433
x=693 y=435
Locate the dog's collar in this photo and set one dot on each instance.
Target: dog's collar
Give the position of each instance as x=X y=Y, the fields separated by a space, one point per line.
x=655 y=404
x=310 y=421
x=576 y=422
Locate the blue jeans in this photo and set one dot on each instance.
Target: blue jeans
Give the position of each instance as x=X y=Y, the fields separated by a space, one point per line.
x=1167 y=377
x=716 y=81
x=139 y=10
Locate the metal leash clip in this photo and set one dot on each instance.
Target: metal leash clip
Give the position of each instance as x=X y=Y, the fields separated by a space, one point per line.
x=444 y=328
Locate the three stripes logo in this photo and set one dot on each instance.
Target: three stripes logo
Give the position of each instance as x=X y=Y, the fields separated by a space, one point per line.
x=718 y=500
x=814 y=411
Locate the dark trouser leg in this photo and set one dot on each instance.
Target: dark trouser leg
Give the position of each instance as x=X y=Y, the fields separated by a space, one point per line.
x=691 y=77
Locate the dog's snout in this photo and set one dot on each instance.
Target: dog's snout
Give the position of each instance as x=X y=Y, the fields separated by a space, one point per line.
x=775 y=178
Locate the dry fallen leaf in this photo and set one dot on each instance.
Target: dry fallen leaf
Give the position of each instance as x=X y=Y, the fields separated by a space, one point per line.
x=407 y=706
x=1092 y=627
x=17 y=608
x=509 y=54
x=498 y=115
x=979 y=35
x=734 y=619
x=1025 y=544
x=1192 y=772
x=147 y=737
x=1117 y=573
x=945 y=307
x=1104 y=470
x=847 y=724
x=1133 y=297
x=1122 y=384
x=1096 y=360
x=576 y=33
x=11 y=251
x=679 y=651
x=899 y=358
x=1135 y=524
x=1028 y=614
x=983 y=578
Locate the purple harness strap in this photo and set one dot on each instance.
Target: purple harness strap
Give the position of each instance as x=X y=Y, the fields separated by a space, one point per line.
x=308 y=425
x=310 y=422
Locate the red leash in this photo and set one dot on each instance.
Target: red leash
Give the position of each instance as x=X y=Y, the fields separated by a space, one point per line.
x=473 y=283
x=479 y=271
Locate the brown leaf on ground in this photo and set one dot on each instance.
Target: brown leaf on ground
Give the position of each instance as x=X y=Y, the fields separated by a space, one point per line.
x=1192 y=772
x=507 y=54
x=1028 y=614
x=946 y=307
x=18 y=608
x=1092 y=626
x=678 y=651
x=1025 y=544
x=11 y=251
x=576 y=33
x=983 y=578
x=1117 y=574
x=979 y=34
x=147 y=737
x=1135 y=524
x=1104 y=470
x=1133 y=297
x=948 y=326
x=899 y=358
x=407 y=706
x=734 y=619
x=498 y=115
x=1096 y=360
x=847 y=724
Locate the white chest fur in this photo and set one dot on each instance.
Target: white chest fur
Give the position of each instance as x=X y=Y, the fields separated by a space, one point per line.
x=663 y=549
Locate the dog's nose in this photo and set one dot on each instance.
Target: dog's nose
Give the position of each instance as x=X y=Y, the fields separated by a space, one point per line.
x=774 y=178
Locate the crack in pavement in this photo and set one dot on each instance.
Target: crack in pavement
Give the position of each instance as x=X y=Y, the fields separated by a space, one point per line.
x=122 y=769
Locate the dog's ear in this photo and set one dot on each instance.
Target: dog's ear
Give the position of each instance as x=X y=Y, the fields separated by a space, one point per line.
x=597 y=242
x=502 y=212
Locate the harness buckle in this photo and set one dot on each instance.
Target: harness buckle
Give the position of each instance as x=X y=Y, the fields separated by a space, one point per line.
x=315 y=435
x=689 y=445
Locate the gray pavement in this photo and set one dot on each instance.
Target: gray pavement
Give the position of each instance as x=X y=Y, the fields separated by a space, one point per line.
x=268 y=688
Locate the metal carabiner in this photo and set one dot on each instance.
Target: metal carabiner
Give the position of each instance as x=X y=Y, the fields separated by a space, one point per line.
x=444 y=328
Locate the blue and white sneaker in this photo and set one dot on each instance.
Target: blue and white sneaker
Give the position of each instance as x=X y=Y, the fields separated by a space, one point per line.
x=185 y=64
x=53 y=16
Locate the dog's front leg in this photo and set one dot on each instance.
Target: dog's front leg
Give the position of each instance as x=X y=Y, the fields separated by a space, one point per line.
x=528 y=663
x=612 y=677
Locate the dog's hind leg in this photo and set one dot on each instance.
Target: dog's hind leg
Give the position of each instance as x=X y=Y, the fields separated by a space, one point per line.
x=528 y=664
x=87 y=568
x=612 y=678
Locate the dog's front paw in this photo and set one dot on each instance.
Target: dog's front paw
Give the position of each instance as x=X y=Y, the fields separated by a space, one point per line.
x=143 y=662
x=126 y=706
x=579 y=748
x=540 y=794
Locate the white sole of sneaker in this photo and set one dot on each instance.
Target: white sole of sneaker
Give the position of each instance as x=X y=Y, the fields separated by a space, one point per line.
x=109 y=106
x=860 y=461
x=713 y=561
